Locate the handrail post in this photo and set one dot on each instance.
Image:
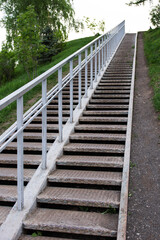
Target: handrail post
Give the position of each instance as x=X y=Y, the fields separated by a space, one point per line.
x=60 y=104
x=95 y=71
x=102 y=53
x=71 y=91
x=86 y=73
x=20 y=174
x=99 y=58
x=105 y=50
x=91 y=66
x=79 y=81
x=44 y=125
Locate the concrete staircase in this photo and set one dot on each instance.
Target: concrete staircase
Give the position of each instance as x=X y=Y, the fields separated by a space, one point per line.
x=82 y=197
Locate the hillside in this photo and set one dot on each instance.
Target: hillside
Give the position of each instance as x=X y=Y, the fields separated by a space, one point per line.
x=152 y=52
x=33 y=95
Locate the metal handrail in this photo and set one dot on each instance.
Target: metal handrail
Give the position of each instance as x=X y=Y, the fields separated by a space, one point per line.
x=101 y=50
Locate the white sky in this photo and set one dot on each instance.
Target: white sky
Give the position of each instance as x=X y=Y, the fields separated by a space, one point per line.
x=111 y=11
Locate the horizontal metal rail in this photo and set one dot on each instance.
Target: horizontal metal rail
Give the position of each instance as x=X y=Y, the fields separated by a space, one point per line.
x=99 y=51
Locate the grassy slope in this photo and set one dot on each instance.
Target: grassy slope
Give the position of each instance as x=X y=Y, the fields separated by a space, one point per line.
x=152 y=52
x=21 y=79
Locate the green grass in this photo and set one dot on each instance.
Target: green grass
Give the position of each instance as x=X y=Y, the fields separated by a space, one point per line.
x=152 y=52
x=21 y=79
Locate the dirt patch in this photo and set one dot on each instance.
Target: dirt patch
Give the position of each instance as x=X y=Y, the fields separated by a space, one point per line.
x=144 y=200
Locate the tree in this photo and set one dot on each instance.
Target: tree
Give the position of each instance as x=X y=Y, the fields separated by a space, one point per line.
x=138 y=2
x=27 y=42
x=53 y=42
x=7 y=64
x=94 y=25
x=58 y=14
x=155 y=16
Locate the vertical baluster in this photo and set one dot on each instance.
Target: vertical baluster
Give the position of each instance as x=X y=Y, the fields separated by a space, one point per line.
x=60 y=104
x=71 y=91
x=20 y=174
x=95 y=61
x=44 y=125
x=102 y=54
x=99 y=58
x=91 y=70
x=79 y=81
x=105 y=50
x=86 y=74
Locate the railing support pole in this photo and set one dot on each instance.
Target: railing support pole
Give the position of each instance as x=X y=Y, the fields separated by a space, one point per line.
x=99 y=58
x=91 y=70
x=71 y=91
x=60 y=104
x=95 y=62
x=44 y=125
x=20 y=175
x=79 y=81
x=105 y=50
x=102 y=53
x=86 y=74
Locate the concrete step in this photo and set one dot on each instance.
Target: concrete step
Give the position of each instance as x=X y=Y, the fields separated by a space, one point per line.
x=38 y=136
x=106 y=80
x=80 y=197
x=12 y=159
x=93 y=148
x=85 y=223
x=100 y=128
x=54 y=113
x=113 y=84
x=38 y=127
x=111 y=91
x=97 y=137
x=113 y=88
x=86 y=177
x=65 y=101
x=28 y=146
x=29 y=237
x=4 y=211
x=101 y=119
x=90 y=161
x=105 y=107
x=50 y=120
x=10 y=174
x=55 y=107
x=110 y=96
x=8 y=193
x=105 y=113
x=109 y=101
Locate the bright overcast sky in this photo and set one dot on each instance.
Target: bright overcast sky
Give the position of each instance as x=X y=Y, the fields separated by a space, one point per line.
x=112 y=12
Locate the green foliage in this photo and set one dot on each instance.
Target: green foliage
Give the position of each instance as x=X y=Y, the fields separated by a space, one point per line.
x=138 y=2
x=53 y=42
x=36 y=234
x=155 y=16
x=110 y=210
x=7 y=65
x=27 y=42
x=21 y=78
x=152 y=52
x=94 y=25
x=58 y=14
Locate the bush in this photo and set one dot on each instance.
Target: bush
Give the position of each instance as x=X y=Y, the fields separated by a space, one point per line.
x=7 y=65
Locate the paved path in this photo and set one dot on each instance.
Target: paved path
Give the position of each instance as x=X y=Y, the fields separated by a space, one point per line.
x=144 y=202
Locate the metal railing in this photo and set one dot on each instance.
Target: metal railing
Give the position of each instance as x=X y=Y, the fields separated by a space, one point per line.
x=97 y=54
